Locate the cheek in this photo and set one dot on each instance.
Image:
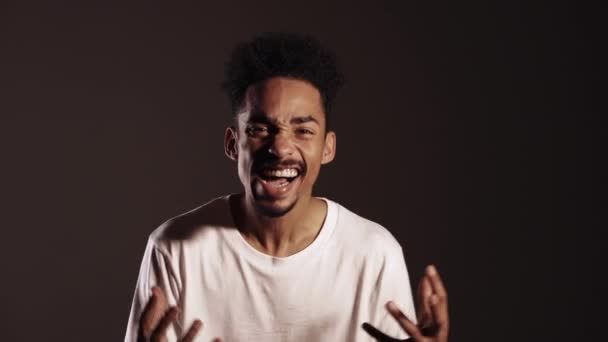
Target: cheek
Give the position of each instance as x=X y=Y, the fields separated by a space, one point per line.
x=313 y=159
x=244 y=162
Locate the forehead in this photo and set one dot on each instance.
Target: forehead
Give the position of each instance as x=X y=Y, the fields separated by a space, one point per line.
x=281 y=99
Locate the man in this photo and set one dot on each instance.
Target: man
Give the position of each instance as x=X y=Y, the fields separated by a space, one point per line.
x=275 y=263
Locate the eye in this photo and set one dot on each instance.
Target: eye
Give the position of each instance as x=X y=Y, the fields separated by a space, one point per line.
x=304 y=131
x=257 y=131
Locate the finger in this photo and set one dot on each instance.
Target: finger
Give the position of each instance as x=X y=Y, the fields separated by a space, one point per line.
x=436 y=282
x=407 y=325
x=439 y=301
x=193 y=331
x=217 y=339
x=424 y=301
x=160 y=333
x=377 y=334
x=440 y=313
x=153 y=312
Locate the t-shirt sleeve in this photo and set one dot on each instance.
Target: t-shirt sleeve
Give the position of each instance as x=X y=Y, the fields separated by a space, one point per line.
x=394 y=285
x=155 y=270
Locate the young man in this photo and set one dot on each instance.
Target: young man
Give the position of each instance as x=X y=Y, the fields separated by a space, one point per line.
x=275 y=263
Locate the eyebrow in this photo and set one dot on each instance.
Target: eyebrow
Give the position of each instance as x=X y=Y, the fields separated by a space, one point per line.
x=259 y=117
x=304 y=119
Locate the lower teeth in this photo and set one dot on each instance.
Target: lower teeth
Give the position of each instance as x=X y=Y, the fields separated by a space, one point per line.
x=282 y=182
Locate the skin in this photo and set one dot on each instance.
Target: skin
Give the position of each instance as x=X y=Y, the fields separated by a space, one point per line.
x=282 y=125
x=433 y=320
x=158 y=316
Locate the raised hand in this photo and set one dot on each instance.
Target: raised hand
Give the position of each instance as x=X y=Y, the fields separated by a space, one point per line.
x=433 y=321
x=158 y=316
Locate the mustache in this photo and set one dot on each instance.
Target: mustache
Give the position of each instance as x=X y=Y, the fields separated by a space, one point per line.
x=286 y=163
x=261 y=165
x=262 y=160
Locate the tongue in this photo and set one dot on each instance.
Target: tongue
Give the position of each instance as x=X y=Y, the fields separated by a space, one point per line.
x=278 y=182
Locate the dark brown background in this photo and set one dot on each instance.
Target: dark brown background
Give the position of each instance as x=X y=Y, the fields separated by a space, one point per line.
x=456 y=130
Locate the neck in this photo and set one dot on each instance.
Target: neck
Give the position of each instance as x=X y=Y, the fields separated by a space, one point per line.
x=284 y=235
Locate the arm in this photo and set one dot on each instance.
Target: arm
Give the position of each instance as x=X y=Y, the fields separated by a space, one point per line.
x=154 y=313
x=432 y=315
x=393 y=285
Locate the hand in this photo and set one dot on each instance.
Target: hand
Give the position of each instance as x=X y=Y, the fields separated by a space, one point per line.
x=433 y=322
x=158 y=316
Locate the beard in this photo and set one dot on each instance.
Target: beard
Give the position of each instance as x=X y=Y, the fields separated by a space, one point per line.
x=273 y=211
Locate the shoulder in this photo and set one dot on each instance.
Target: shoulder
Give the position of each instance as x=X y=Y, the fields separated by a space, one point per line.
x=364 y=234
x=200 y=223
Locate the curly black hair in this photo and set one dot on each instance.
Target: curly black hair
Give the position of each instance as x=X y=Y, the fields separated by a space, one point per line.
x=284 y=54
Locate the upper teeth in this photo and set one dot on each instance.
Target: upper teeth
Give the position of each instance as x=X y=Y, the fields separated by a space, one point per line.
x=288 y=173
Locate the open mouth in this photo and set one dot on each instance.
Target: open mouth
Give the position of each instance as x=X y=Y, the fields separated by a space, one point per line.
x=279 y=177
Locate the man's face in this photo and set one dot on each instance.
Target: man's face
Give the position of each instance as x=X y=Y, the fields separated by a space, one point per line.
x=280 y=141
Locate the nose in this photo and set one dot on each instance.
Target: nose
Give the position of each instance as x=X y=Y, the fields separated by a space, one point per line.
x=281 y=145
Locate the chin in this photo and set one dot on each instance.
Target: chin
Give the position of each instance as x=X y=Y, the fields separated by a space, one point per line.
x=273 y=209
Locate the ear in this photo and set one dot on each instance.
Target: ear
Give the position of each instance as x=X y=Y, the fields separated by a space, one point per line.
x=230 y=143
x=329 y=149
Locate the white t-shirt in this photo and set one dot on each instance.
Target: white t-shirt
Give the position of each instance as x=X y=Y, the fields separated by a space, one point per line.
x=323 y=293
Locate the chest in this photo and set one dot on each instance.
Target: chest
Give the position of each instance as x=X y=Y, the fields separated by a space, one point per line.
x=307 y=291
